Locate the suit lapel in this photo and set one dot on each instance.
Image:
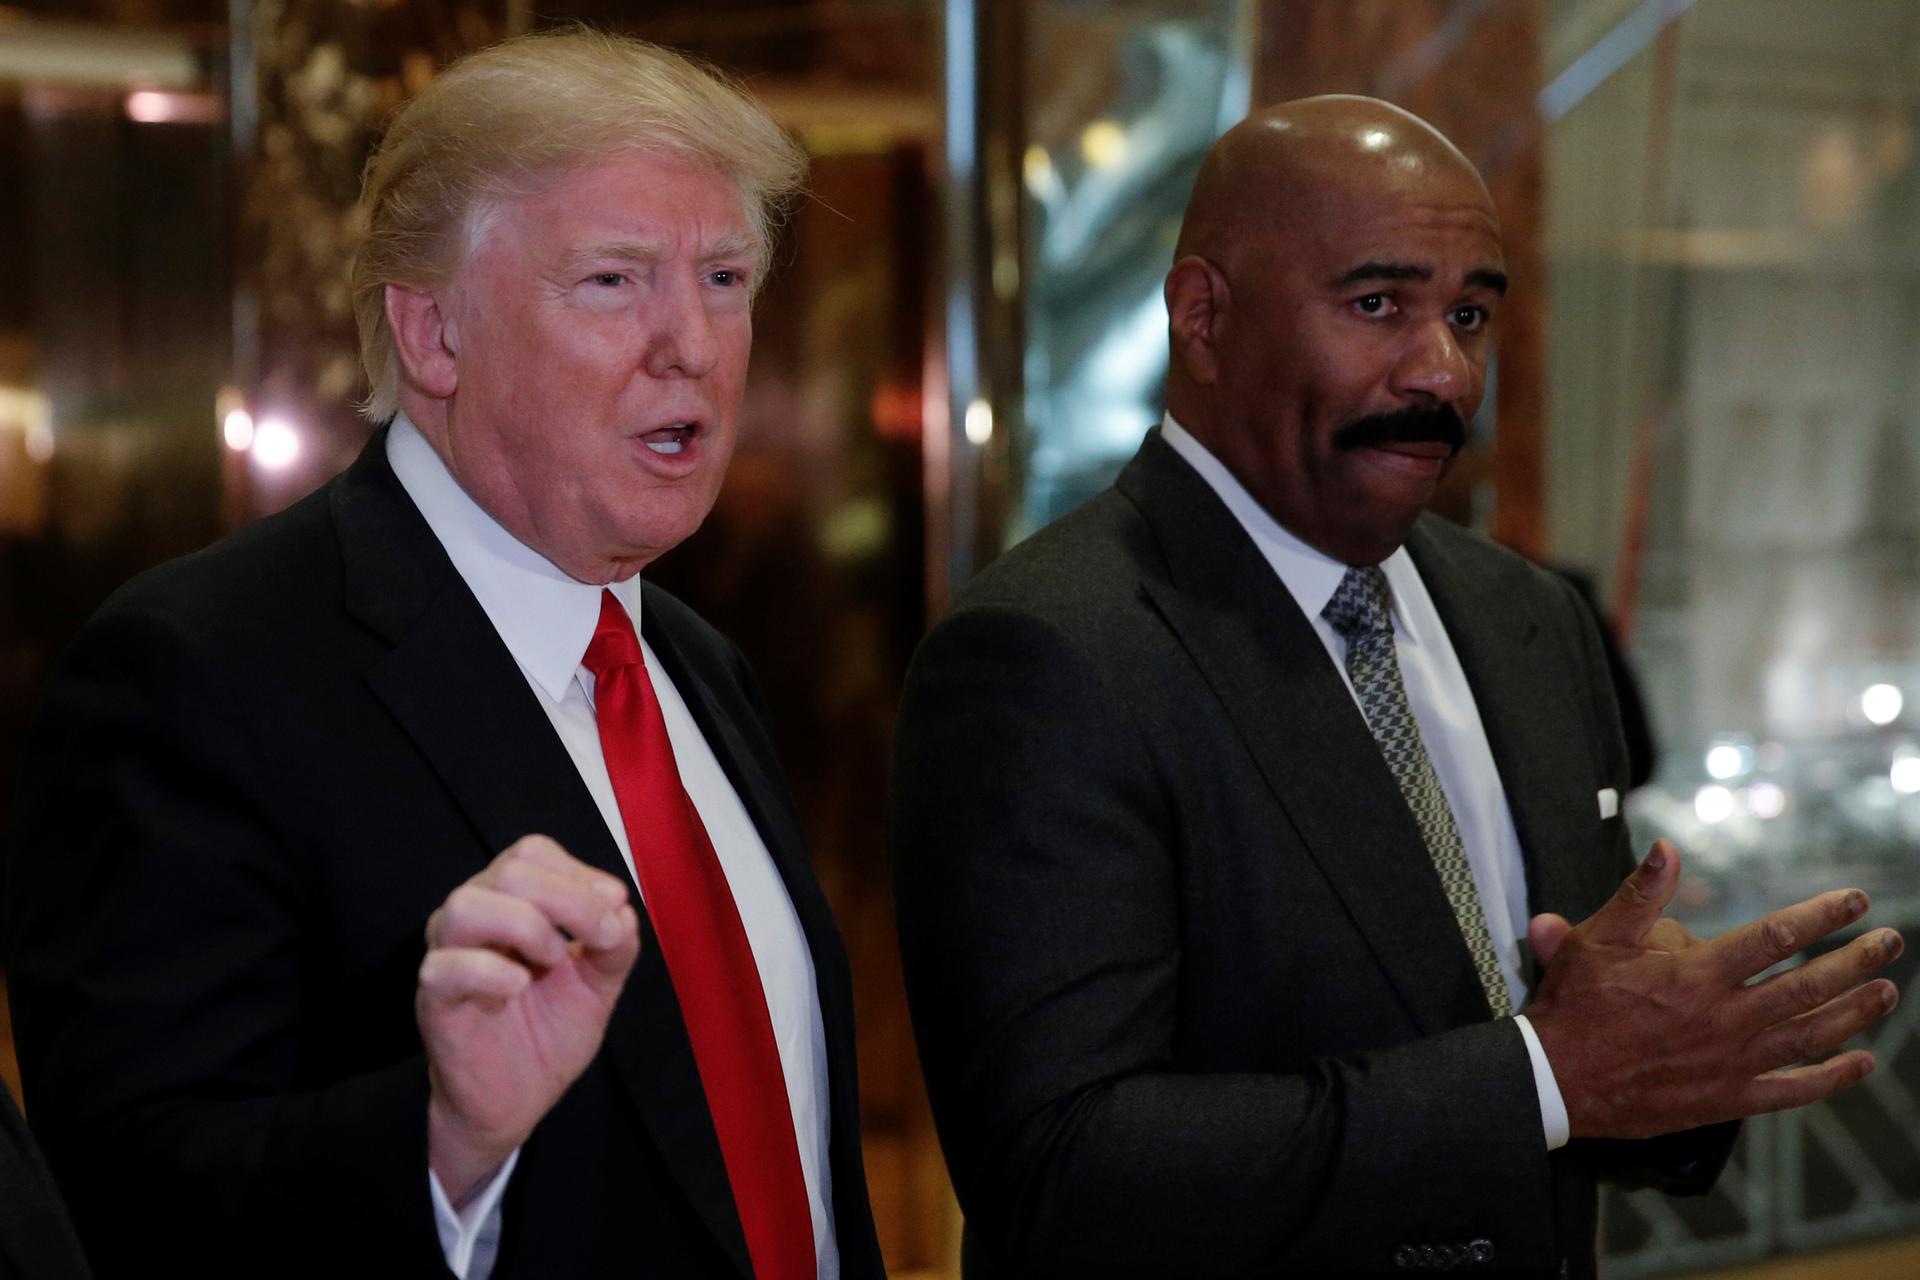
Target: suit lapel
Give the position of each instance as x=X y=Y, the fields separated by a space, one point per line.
x=1292 y=712
x=456 y=690
x=1517 y=679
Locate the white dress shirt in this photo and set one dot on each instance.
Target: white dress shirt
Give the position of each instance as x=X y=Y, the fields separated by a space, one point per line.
x=1442 y=704
x=546 y=619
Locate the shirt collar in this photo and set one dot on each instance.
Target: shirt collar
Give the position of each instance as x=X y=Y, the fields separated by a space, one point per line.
x=545 y=618
x=1311 y=576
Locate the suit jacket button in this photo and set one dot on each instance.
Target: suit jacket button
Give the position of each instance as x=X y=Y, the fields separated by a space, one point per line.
x=1480 y=1252
x=1406 y=1257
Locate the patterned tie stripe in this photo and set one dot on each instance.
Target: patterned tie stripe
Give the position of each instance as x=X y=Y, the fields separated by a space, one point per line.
x=1359 y=612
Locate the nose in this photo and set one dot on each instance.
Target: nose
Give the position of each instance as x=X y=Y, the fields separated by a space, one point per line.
x=1435 y=367
x=682 y=342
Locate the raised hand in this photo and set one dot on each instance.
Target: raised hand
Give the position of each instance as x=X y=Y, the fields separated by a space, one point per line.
x=512 y=1009
x=1649 y=1030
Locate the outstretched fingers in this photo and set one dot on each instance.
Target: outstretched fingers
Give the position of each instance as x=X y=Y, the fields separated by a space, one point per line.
x=1819 y=1032
x=1781 y=1090
x=1802 y=990
x=1741 y=953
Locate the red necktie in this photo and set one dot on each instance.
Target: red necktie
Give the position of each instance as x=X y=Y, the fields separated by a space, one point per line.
x=707 y=957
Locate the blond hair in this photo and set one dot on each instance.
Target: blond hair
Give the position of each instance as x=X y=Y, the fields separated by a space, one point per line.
x=510 y=120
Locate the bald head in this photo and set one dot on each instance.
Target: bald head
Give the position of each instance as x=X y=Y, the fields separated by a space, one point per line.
x=1278 y=166
x=1329 y=309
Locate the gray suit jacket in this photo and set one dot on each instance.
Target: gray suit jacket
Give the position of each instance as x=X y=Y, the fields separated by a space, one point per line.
x=1188 y=992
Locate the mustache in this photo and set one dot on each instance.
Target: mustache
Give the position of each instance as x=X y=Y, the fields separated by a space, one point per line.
x=1404 y=426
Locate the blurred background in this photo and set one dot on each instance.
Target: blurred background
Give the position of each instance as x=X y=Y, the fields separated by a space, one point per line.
x=1705 y=400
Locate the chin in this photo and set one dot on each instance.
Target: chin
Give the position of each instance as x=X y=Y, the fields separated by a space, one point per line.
x=1376 y=542
x=658 y=537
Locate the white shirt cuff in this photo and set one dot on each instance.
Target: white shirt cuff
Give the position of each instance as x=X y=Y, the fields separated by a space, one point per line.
x=470 y=1236
x=1553 y=1108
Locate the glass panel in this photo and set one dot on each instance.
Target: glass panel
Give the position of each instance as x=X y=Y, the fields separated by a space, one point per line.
x=1124 y=100
x=1733 y=450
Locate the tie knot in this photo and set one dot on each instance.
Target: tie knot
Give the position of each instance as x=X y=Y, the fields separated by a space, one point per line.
x=1359 y=604
x=613 y=644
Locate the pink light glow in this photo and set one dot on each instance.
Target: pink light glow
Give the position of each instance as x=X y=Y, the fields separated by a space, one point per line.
x=156 y=106
x=275 y=444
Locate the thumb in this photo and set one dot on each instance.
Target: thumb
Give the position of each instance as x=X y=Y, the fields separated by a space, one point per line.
x=606 y=963
x=1545 y=934
x=1641 y=899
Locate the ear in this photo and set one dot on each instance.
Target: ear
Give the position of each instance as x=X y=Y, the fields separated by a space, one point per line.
x=427 y=339
x=1197 y=305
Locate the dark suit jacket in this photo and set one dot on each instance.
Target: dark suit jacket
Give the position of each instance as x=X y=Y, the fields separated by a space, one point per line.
x=36 y=1239
x=1188 y=992
x=257 y=772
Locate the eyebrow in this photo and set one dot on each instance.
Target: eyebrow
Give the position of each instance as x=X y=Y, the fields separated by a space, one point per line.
x=640 y=251
x=628 y=250
x=1484 y=277
x=1488 y=278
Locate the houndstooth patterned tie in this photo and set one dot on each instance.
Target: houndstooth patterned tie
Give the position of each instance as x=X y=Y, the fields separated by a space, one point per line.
x=1358 y=611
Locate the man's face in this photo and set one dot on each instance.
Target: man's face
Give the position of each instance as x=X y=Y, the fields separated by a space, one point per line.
x=601 y=332
x=1356 y=351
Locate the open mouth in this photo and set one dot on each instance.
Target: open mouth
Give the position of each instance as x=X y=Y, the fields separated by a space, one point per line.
x=671 y=439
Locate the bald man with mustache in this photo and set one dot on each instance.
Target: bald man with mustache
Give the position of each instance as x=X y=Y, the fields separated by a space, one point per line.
x=1241 y=816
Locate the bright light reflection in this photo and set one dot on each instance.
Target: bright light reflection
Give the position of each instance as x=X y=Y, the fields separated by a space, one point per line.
x=1764 y=800
x=1881 y=703
x=237 y=430
x=1725 y=761
x=1905 y=775
x=1375 y=139
x=1037 y=167
x=1103 y=144
x=275 y=444
x=1713 y=804
x=979 y=423
x=155 y=106
x=149 y=107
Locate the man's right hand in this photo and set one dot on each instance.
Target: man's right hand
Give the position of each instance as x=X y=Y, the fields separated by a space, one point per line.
x=1649 y=1030
x=511 y=1010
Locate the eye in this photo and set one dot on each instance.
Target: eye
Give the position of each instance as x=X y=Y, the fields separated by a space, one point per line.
x=1470 y=319
x=607 y=279
x=728 y=278
x=1375 y=304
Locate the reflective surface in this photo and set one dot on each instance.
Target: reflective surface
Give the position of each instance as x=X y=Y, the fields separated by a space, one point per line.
x=1124 y=101
x=1734 y=206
